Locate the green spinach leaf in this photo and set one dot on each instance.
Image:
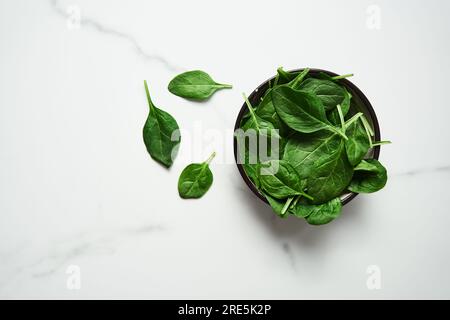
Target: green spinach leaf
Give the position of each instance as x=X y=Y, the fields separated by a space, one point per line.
x=197 y=85
x=252 y=173
x=333 y=115
x=319 y=214
x=276 y=204
x=302 y=151
x=320 y=158
x=370 y=176
x=329 y=92
x=196 y=179
x=251 y=169
x=262 y=129
x=261 y=126
x=331 y=173
x=280 y=180
x=161 y=134
x=297 y=82
x=358 y=142
x=283 y=76
x=265 y=134
x=266 y=111
x=301 y=111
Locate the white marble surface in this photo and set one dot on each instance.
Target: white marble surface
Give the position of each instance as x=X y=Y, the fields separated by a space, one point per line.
x=78 y=188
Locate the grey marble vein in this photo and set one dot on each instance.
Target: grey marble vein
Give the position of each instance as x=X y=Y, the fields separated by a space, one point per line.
x=413 y=172
x=287 y=249
x=99 y=27
x=63 y=259
x=65 y=251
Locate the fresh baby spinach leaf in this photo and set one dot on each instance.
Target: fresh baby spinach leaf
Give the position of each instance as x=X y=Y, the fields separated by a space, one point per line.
x=300 y=209
x=265 y=134
x=266 y=111
x=301 y=111
x=261 y=126
x=196 y=179
x=280 y=180
x=197 y=85
x=358 y=142
x=298 y=80
x=370 y=176
x=331 y=173
x=291 y=79
x=329 y=92
x=252 y=172
x=333 y=115
x=161 y=134
x=280 y=207
x=322 y=213
x=303 y=150
x=276 y=204
x=250 y=165
x=283 y=76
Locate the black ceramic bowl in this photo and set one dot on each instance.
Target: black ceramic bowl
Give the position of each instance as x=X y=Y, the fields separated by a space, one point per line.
x=361 y=103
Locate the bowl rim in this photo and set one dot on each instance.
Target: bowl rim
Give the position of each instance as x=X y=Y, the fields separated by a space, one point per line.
x=264 y=86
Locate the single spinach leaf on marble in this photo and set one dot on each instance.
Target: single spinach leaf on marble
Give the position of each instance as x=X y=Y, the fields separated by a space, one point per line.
x=329 y=92
x=358 y=142
x=161 y=134
x=197 y=85
x=196 y=179
x=320 y=214
x=280 y=180
x=370 y=176
x=301 y=111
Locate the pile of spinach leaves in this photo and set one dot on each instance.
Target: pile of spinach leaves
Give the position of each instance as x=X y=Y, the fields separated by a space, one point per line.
x=322 y=145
